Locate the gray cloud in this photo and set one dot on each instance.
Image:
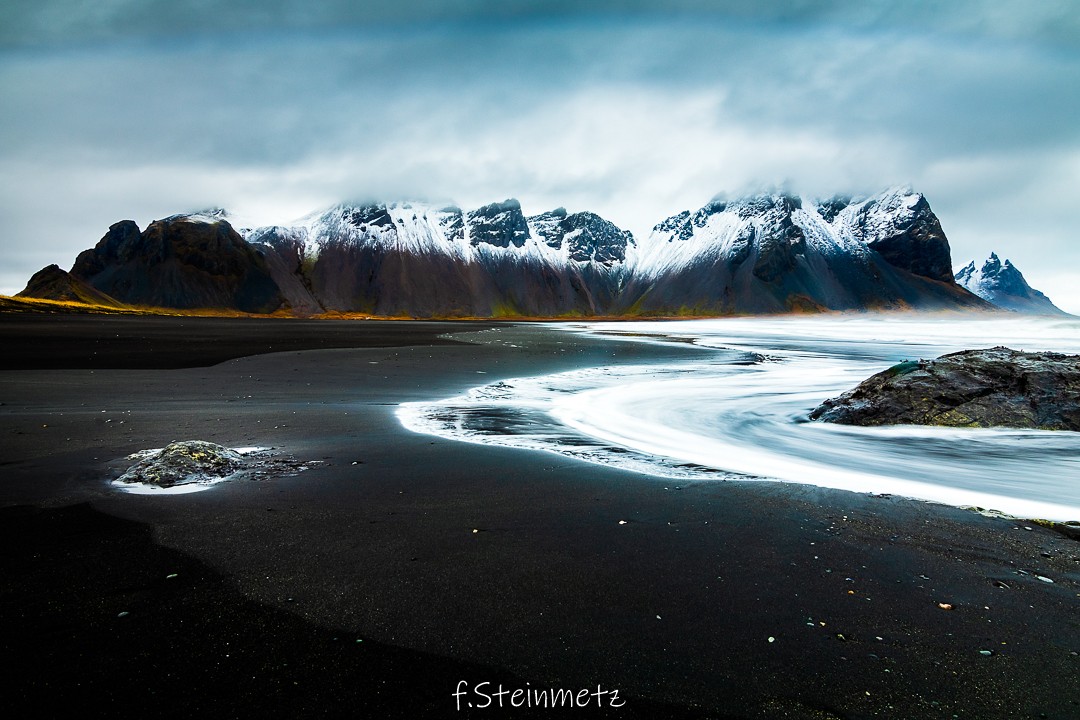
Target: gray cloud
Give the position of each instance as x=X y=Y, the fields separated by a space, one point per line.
x=43 y=22
x=273 y=100
x=142 y=109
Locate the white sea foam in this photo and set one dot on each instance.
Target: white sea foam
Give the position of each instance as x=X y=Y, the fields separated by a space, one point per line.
x=136 y=488
x=744 y=413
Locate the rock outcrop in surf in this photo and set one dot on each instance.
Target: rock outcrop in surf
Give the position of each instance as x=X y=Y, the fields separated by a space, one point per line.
x=996 y=387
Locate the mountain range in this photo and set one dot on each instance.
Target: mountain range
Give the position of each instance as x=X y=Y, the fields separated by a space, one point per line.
x=767 y=253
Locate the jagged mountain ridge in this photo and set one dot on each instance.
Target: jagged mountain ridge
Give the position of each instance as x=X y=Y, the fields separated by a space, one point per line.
x=413 y=259
x=772 y=253
x=1003 y=285
x=184 y=262
x=759 y=254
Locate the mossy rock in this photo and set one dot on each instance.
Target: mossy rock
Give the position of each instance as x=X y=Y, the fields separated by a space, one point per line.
x=181 y=463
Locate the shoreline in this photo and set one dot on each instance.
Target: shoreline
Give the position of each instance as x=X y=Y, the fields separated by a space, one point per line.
x=582 y=432
x=675 y=606
x=14 y=305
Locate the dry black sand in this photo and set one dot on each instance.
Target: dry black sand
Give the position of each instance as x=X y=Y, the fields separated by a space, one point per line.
x=359 y=588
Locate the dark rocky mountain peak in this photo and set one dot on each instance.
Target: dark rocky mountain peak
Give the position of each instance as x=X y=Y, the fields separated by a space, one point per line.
x=180 y=262
x=120 y=244
x=677 y=227
x=278 y=237
x=452 y=222
x=547 y=227
x=375 y=216
x=587 y=236
x=714 y=206
x=208 y=215
x=771 y=213
x=902 y=228
x=829 y=209
x=764 y=206
x=499 y=224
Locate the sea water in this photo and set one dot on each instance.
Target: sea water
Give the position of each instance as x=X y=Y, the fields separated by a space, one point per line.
x=741 y=414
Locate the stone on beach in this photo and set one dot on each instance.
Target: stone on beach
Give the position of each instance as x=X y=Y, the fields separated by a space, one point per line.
x=180 y=463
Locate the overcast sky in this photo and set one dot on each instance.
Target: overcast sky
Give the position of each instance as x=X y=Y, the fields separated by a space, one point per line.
x=141 y=109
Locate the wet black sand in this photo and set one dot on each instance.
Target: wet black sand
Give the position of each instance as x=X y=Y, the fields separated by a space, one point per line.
x=277 y=579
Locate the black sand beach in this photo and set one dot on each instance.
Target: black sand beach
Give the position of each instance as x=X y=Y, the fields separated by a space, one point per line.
x=399 y=565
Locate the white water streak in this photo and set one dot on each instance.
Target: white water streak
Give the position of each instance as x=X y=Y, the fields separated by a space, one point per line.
x=709 y=420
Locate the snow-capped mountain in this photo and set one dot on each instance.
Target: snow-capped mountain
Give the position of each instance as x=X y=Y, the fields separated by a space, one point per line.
x=899 y=225
x=414 y=259
x=1004 y=286
x=773 y=253
x=759 y=254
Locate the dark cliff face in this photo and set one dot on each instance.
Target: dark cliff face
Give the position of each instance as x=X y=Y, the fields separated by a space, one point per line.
x=779 y=241
x=681 y=226
x=119 y=245
x=180 y=263
x=997 y=387
x=832 y=207
x=911 y=240
x=452 y=223
x=587 y=236
x=374 y=216
x=499 y=224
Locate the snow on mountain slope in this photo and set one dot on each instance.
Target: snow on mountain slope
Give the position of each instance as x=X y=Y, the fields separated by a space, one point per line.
x=493 y=230
x=206 y=215
x=770 y=253
x=728 y=230
x=899 y=225
x=1003 y=285
x=582 y=237
x=764 y=253
x=392 y=258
